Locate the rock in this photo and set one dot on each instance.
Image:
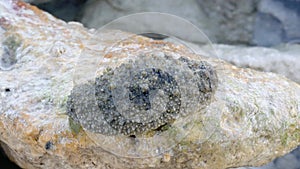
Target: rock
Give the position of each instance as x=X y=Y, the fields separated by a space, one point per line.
x=283 y=59
x=231 y=22
x=215 y=17
x=278 y=21
x=246 y=119
x=68 y=10
x=289 y=161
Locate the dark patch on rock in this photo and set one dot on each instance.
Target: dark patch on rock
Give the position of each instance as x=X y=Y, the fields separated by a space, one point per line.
x=142 y=96
x=154 y=36
x=142 y=83
x=207 y=82
x=8 y=58
x=49 y=145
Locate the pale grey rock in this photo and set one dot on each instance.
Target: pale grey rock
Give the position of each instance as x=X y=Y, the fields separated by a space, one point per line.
x=213 y=17
x=278 y=21
x=283 y=59
x=263 y=23
x=231 y=21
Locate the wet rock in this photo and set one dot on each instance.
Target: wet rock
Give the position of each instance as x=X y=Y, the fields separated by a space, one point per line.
x=249 y=119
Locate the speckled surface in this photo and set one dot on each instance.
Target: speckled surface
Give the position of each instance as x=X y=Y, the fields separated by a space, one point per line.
x=252 y=118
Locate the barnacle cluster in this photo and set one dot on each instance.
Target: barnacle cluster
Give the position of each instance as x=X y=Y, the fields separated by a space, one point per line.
x=140 y=114
x=142 y=94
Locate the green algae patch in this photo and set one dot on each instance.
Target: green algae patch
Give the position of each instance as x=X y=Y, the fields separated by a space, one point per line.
x=291 y=135
x=75 y=127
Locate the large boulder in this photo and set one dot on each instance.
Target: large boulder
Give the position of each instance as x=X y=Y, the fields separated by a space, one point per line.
x=50 y=69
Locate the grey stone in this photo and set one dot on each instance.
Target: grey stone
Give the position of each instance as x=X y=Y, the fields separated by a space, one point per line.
x=268 y=31
x=213 y=17
x=278 y=21
x=263 y=23
x=231 y=21
x=283 y=59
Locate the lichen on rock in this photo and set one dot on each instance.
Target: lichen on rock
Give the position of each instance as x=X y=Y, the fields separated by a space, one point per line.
x=241 y=119
x=144 y=94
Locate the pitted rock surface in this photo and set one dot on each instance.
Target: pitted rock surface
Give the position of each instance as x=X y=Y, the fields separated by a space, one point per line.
x=251 y=115
x=144 y=95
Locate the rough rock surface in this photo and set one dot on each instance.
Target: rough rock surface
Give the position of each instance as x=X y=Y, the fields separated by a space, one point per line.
x=282 y=59
x=289 y=161
x=252 y=118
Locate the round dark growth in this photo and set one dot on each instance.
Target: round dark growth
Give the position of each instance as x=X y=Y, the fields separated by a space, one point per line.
x=144 y=94
x=144 y=85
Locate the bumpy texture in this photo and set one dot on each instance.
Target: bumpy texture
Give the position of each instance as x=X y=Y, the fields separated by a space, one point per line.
x=142 y=95
x=252 y=118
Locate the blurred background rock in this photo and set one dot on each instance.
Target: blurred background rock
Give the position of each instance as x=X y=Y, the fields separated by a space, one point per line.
x=261 y=23
x=243 y=22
